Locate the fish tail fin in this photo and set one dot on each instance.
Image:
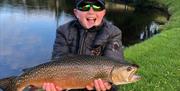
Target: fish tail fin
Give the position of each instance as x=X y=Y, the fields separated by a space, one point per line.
x=7 y=84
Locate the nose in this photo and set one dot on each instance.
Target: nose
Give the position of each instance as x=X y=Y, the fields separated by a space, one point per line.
x=91 y=10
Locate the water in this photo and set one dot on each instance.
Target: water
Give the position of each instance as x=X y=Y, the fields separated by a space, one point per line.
x=26 y=35
x=28 y=27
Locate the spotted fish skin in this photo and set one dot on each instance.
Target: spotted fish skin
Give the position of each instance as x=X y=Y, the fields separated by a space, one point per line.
x=7 y=84
x=73 y=72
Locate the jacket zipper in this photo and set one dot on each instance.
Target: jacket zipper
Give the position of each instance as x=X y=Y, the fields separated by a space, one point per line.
x=83 y=43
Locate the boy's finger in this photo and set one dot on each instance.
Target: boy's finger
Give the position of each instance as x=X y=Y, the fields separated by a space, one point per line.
x=48 y=88
x=101 y=85
x=44 y=86
x=96 y=84
x=52 y=87
x=107 y=85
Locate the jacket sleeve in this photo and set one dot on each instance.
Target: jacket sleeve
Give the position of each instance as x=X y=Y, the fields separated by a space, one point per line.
x=113 y=48
x=60 y=46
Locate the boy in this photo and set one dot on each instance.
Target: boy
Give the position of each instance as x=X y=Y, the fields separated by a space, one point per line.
x=89 y=34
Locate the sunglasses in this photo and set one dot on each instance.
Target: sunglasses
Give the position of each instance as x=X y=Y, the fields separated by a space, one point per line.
x=85 y=6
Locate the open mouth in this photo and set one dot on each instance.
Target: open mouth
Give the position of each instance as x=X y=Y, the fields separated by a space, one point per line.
x=133 y=77
x=91 y=20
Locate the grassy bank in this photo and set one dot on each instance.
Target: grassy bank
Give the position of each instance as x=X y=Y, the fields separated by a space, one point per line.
x=159 y=57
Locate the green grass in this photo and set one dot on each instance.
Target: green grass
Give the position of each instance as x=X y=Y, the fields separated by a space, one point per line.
x=158 y=57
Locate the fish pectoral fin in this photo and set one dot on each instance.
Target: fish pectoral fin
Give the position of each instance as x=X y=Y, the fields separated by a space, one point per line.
x=27 y=69
x=31 y=88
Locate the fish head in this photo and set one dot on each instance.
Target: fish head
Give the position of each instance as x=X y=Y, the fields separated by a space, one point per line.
x=124 y=74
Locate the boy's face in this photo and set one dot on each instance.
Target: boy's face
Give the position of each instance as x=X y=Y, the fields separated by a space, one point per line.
x=89 y=18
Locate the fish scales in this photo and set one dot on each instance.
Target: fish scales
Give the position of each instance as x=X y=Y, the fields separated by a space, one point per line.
x=67 y=73
x=73 y=72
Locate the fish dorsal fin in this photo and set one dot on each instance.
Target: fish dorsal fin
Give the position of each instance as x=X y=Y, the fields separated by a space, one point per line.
x=65 y=56
x=27 y=69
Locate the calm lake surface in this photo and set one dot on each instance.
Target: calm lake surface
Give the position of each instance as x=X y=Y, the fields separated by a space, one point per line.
x=28 y=27
x=27 y=33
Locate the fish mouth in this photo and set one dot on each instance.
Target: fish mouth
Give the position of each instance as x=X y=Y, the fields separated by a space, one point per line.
x=133 y=77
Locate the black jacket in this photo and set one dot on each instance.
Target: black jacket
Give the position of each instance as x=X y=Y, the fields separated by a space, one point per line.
x=72 y=38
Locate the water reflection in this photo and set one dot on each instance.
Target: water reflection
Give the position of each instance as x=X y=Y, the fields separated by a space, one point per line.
x=27 y=29
x=24 y=39
x=133 y=20
x=150 y=30
x=27 y=34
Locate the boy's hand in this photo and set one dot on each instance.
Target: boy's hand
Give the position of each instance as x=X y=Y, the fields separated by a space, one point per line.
x=99 y=85
x=51 y=87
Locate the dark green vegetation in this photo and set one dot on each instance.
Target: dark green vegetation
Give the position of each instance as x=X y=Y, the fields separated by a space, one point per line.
x=136 y=18
x=159 y=57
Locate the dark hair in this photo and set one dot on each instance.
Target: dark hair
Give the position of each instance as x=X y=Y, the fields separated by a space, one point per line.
x=79 y=1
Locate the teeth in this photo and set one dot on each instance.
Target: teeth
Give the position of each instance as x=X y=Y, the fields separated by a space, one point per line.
x=91 y=18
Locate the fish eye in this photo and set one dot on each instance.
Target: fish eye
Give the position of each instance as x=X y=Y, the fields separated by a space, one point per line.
x=129 y=68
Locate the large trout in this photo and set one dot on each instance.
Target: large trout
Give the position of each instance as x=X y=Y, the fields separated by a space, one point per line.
x=73 y=73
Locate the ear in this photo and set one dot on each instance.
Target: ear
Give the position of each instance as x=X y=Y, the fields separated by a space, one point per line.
x=76 y=13
x=104 y=12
